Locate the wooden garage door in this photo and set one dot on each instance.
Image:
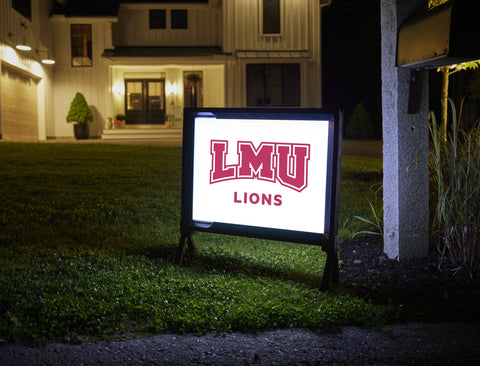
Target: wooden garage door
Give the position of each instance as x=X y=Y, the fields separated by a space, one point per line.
x=19 y=105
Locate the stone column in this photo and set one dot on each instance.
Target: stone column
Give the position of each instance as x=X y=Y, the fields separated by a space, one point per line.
x=405 y=144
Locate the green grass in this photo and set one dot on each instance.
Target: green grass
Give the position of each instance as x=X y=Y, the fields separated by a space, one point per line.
x=88 y=233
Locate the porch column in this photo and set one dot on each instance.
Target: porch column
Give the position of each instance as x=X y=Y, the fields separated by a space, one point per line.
x=405 y=137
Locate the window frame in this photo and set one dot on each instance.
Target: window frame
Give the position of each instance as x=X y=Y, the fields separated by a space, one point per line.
x=173 y=25
x=262 y=5
x=284 y=93
x=88 y=46
x=153 y=14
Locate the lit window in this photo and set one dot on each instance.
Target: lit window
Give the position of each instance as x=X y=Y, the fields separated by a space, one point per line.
x=81 y=45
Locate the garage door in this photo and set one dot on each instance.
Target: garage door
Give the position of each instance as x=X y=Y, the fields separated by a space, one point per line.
x=19 y=105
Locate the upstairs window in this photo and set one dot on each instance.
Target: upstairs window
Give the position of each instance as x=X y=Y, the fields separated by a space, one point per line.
x=271 y=17
x=24 y=7
x=81 y=40
x=158 y=19
x=179 y=19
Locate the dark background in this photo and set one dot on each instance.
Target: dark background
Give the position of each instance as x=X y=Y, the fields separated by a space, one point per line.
x=351 y=50
x=351 y=58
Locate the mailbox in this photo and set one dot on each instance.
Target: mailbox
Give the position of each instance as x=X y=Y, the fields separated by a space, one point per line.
x=446 y=35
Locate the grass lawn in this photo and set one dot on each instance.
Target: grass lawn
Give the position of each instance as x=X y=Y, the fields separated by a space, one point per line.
x=88 y=234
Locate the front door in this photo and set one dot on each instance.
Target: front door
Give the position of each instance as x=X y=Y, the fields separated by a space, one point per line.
x=145 y=101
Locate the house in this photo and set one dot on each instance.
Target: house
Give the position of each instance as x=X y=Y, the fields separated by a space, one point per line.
x=147 y=60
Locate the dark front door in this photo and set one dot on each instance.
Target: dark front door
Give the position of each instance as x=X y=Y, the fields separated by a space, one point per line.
x=145 y=101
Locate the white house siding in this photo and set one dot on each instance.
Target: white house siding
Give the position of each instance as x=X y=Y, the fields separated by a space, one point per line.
x=133 y=27
x=242 y=26
x=36 y=33
x=299 y=42
x=91 y=81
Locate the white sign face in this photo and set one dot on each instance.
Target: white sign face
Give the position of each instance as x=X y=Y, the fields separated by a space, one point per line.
x=264 y=173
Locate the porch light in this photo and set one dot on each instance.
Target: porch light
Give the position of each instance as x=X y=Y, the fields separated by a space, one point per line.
x=118 y=89
x=22 y=44
x=172 y=89
x=47 y=60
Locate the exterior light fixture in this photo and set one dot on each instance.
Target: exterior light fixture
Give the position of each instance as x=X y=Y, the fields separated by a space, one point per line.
x=46 y=60
x=172 y=89
x=22 y=45
x=118 y=89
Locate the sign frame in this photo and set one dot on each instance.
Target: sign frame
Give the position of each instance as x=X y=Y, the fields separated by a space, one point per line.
x=327 y=239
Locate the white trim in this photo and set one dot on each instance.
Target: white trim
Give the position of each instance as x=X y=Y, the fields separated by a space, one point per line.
x=282 y=21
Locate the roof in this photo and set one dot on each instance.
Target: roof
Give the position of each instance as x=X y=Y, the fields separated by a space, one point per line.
x=85 y=8
x=161 y=51
x=273 y=54
x=92 y=8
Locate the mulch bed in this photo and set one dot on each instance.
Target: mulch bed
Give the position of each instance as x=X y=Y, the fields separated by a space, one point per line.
x=424 y=291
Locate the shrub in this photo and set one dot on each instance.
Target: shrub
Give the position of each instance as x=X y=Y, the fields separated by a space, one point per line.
x=359 y=125
x=455 y=166
x=79 y=110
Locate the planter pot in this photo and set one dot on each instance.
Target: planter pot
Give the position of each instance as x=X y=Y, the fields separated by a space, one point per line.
x=81 y=131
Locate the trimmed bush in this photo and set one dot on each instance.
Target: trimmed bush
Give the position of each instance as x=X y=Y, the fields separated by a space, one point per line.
x=359 y=125
x=79 y=110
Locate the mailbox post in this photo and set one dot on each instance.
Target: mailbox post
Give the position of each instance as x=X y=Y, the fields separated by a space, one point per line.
x=414 y=40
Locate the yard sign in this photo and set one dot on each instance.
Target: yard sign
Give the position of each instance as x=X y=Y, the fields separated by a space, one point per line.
x=264 y=173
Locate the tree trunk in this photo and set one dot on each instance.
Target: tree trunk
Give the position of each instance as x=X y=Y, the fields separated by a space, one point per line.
x=444 y=98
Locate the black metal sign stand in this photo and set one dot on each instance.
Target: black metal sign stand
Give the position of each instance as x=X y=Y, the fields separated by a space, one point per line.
x=329 y=243
x=185 y=242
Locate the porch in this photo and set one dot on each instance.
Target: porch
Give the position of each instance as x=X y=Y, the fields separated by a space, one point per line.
x=144 y=132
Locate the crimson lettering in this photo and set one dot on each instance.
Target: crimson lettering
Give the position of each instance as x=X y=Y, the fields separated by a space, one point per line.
x=282 y=162
x=255 y=198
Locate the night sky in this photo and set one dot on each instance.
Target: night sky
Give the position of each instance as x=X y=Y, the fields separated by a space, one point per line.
x=351 y=58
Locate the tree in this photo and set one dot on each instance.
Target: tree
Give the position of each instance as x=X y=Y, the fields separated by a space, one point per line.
x=359 y=125
x=446 y=72
x=434 y=3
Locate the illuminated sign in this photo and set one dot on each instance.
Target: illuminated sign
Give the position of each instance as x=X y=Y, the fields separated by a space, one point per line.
x=266 y=173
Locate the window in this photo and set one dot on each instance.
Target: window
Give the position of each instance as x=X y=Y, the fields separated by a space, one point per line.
x=24 y=7
x=192 y=89
x=273 y=85
x=271 y=17
x=179 y=19
x=158 y=19
x=81 y=45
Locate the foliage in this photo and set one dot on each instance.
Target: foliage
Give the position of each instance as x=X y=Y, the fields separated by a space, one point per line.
x=120 y=117
x=359 y=125
x=79 y=110
x=455 y=165
x=446 y=72
x=81 y=263
x=360 y=195
x=374 y=221
x=474 y=86
x=434 y=3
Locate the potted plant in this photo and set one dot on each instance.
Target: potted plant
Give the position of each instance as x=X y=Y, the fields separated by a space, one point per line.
x=81 y=115
x=120 y=121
